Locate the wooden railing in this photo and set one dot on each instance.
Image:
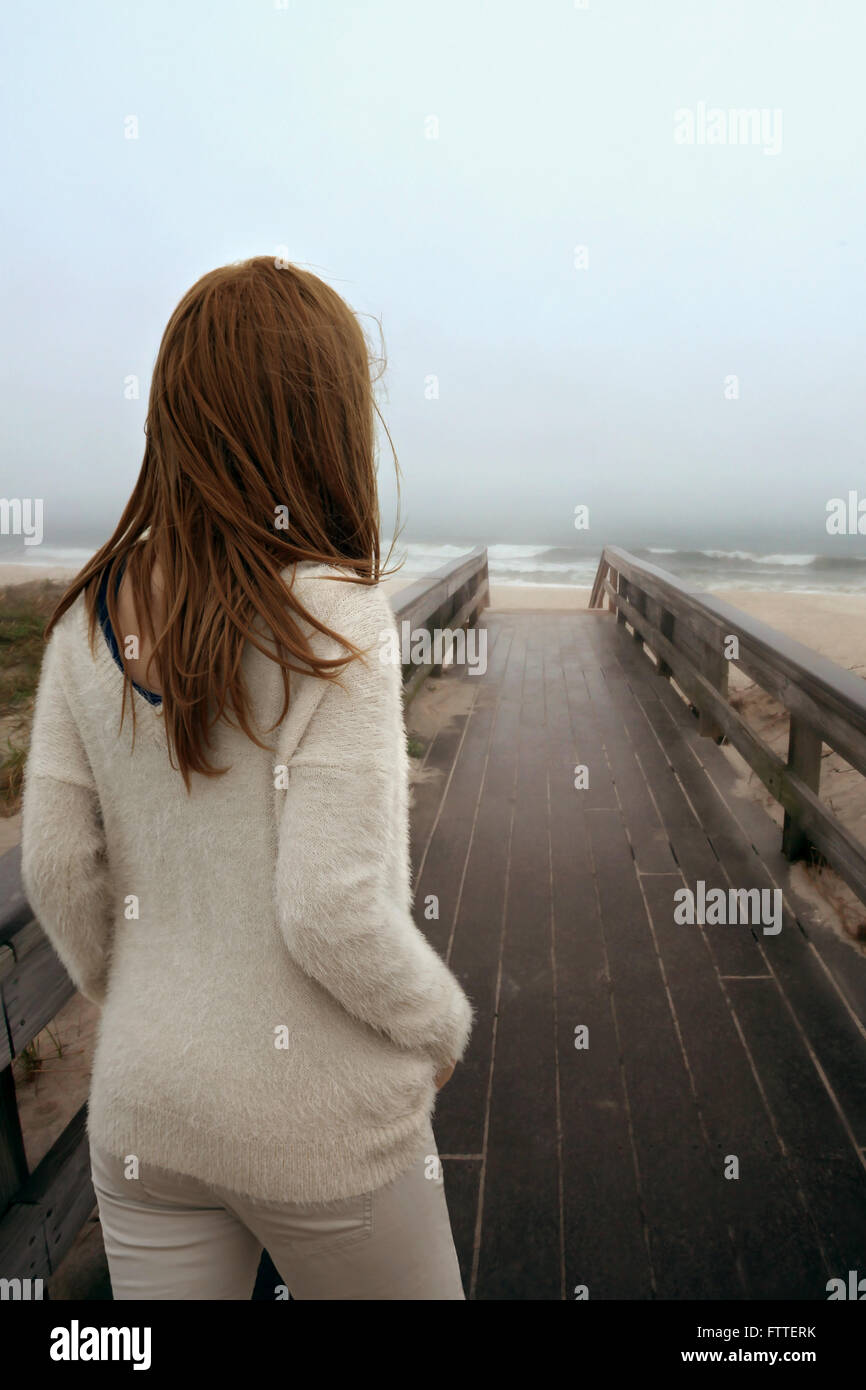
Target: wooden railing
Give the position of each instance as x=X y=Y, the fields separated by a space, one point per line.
x=694 y=638
x=442 y=602
x=42 y=1212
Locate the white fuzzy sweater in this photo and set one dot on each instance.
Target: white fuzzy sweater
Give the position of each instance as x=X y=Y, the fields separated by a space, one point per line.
x=272 y=1017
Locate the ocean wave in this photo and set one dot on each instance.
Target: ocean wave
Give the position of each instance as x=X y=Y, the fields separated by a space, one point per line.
x=758 y=559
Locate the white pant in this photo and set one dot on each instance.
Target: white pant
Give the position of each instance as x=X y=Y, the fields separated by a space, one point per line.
x=171 y=1237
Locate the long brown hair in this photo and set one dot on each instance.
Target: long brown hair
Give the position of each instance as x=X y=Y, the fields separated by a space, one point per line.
x=261 y=412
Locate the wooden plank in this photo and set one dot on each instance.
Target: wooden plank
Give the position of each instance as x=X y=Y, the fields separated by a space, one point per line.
x=567 y=801
x=734 y=949
x=477 y=946
x=439 y=758
x=7 y=964
x=462 y=1194
x=632 y=696
x=49 y=1210
x=690 y=1250
x=599 y=1185
x=14 y=909
x=603 y=1241
x=13 y=1159
x=35 y=989
x=647 y=835
x=603 y=1236
x=778 y=1256
x=815 y=996
x=834 y=1037
x=588 y=750
x=520 y=1250
x=627 y=684
x=444 y=862
x=829 y=1174
x=429 y=790
x=836 y=956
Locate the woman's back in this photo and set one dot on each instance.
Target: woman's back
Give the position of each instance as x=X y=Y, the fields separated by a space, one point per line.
x=256 y=927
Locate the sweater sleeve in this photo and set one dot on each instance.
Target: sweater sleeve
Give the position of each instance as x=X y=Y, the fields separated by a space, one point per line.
x=343 y=893
x=64 y=865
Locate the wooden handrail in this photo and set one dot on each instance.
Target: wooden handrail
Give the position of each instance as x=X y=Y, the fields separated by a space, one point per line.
x=442 y=602
x=691 y=634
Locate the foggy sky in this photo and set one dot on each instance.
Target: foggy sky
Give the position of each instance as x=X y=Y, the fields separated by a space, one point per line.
x=304 y=128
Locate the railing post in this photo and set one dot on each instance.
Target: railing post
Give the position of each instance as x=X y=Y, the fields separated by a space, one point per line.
x=637 y=599
x=804 y=759
x=621 y=588
x=597 y=595
x=715 y=670
x=666 y=628
x=13 y=1161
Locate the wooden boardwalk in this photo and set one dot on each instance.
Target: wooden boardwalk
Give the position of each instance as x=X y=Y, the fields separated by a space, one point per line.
x=605 y=1167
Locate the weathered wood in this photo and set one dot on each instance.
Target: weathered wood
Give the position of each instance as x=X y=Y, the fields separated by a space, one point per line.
x=13 y=1160
x=715 y=668
x=596 y=591
x=621 y=589
x=521 y=1198
x=14 y=908
x=35 y=988
x=666 y=628
x=667 y=1088
x=829 y=835
x=638 y=598
x=49 y=1210
x=445 y=600
x=779 y=1256
x=839 y=694
x=804 y=758
x=7 y=964
x=700 y=669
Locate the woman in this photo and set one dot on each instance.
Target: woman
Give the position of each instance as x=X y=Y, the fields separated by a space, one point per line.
x=228 y=874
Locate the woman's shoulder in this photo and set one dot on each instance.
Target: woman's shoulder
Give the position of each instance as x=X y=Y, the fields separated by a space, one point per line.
x=336 y=597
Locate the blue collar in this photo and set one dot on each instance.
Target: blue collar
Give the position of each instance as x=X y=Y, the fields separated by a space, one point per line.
x=105 y=623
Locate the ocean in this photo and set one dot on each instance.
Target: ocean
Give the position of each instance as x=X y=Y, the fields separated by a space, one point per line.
x=710 y=569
